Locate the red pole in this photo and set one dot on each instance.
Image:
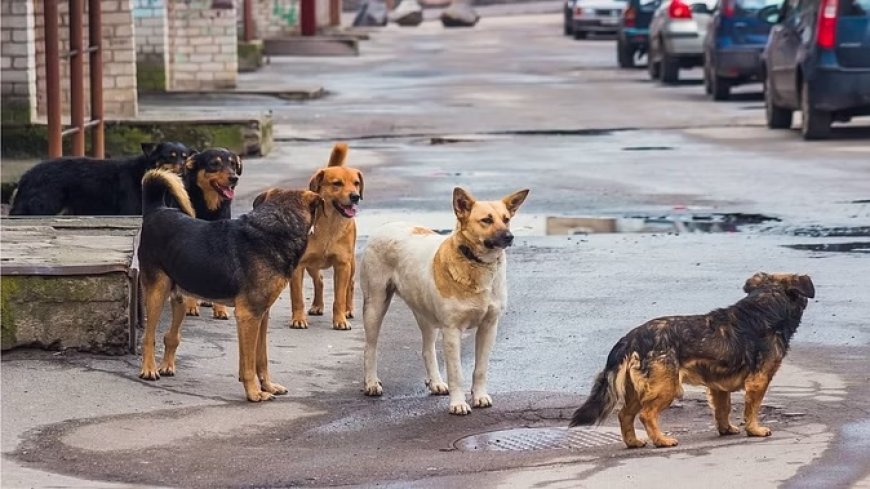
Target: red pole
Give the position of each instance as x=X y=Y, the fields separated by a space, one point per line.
x=95 y=23
x=249 y=28
x=308 y=17
x=77 y=75
x=52 y=80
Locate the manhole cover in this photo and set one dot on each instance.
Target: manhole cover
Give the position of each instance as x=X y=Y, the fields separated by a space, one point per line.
x=539 y=439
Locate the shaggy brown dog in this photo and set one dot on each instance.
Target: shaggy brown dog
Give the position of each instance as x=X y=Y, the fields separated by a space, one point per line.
x=738 y=347
x=243 y=263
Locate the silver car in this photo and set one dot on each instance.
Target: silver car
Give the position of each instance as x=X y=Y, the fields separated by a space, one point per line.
x=596 y=16
x=676 y=37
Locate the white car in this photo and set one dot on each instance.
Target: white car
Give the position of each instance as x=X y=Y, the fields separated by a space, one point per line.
x=676 y=37
x=596 y=16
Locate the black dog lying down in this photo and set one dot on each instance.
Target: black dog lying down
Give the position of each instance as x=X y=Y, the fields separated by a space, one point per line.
x=85 y=186
x=734 y=348
x=244 y=262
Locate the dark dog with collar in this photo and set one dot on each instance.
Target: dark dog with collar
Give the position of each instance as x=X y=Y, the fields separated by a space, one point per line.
x=735 y=348
x=90 y=187
x=243 y=263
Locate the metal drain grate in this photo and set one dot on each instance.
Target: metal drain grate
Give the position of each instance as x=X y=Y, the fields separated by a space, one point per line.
x=539 y=439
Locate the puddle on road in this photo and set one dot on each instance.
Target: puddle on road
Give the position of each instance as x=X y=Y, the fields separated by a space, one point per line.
x=858 y=247
x=539 y=439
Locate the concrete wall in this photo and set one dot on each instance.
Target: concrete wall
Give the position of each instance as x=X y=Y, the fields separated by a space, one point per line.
x=18 y=60
x=202 y=46
x=149 y=18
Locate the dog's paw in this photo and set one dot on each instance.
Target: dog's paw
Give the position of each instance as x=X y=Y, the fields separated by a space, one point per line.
x=220 y=313
x=460 y=408
x=349 y=314
x=634 y=443
x=437 y=388
x=299 y=324
x=149 y=373
x=758 y=431
x=374 y=388
x=730 y=430
x=205 y=304
x=315 y=311
x=341 y=324
x=192 y=311
x=167 y=370
x=483 y=401
x=260 y=396
x=665 y=442
x=277 y=389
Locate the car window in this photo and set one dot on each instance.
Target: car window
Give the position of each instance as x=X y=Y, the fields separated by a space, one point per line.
x=854 y=8
x=753 y=6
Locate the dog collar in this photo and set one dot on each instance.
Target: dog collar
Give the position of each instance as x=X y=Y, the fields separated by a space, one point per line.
x=467 y=253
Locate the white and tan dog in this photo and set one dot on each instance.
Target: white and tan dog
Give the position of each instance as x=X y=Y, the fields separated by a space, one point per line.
x=450 y=284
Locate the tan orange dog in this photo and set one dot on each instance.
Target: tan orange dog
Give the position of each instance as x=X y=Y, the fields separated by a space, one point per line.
x=332 y=243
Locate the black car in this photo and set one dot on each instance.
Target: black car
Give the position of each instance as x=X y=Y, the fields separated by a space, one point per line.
x=817 y=60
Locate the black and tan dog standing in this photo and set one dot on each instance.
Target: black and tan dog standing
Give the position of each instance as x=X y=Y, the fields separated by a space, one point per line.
x=210 y=178
x=735 y=348
x=90 y=187
x=243 y=263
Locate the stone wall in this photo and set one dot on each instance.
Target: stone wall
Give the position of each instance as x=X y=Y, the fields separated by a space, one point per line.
x=17 y=56
x=149 y=18
x=202 y=46
x=119 y=59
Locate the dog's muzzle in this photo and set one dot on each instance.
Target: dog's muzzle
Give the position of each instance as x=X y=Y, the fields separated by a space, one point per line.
x=502 y=240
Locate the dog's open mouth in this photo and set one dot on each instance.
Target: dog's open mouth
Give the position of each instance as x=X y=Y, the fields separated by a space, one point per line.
x=226 y=192
x=348 y=211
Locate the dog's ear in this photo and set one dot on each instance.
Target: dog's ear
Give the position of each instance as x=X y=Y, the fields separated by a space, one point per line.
x=316 y=181
x=237 y=165
x=362 y=184
x=148 y=148
x=338 y=155
x=755 y=281
x=462 y=203
x=802 y=285
x=311 y=199
x=263 y=197
x=515 y=200
x=190 y=162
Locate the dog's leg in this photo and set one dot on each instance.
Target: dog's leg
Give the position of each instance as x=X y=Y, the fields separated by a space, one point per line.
x=317 y=304
x=662 y=386
x=172 y=338
x=720 y=401
x=156 y=290
x=297 y=300
x=376 y=301
x=452 y=340
x=483 y=342
x=220 y=311
x=430 y=360
x=248 y=324
x=339 y=306
x=350 y=287
x=263 y=360
x=756 y=386
x=626 y=417
x=191 y=306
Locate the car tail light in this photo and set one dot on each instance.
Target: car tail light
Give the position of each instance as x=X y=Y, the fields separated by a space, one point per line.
x=826 y=33
x=728 y=8
x=629 y=17
x=679 y=10
x=578 y=11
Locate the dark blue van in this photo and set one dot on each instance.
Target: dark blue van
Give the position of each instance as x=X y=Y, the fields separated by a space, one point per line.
x=733 y=46
x=632 y=37
x=817 y=60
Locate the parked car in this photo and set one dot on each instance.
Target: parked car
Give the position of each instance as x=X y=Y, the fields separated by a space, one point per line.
x=568 y=17
x=595 y=16
x=632 y=37
x=676 y=37
x=733 y=45
x=817 y=60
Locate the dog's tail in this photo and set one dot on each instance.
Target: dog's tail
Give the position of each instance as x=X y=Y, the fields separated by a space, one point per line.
x=609 y=387
x=163 y=188
x=339 y=154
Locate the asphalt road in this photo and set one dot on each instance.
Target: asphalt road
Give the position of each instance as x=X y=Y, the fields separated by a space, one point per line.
x=516 y=105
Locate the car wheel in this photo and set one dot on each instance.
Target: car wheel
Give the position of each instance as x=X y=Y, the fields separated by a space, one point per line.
x=653 y=67
x=777 y=117
x=815 y=124
x=708 y=86
x=670 y=70
x=580 y=34
x=720 y=88
x=567 y=29
x=624 y=54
